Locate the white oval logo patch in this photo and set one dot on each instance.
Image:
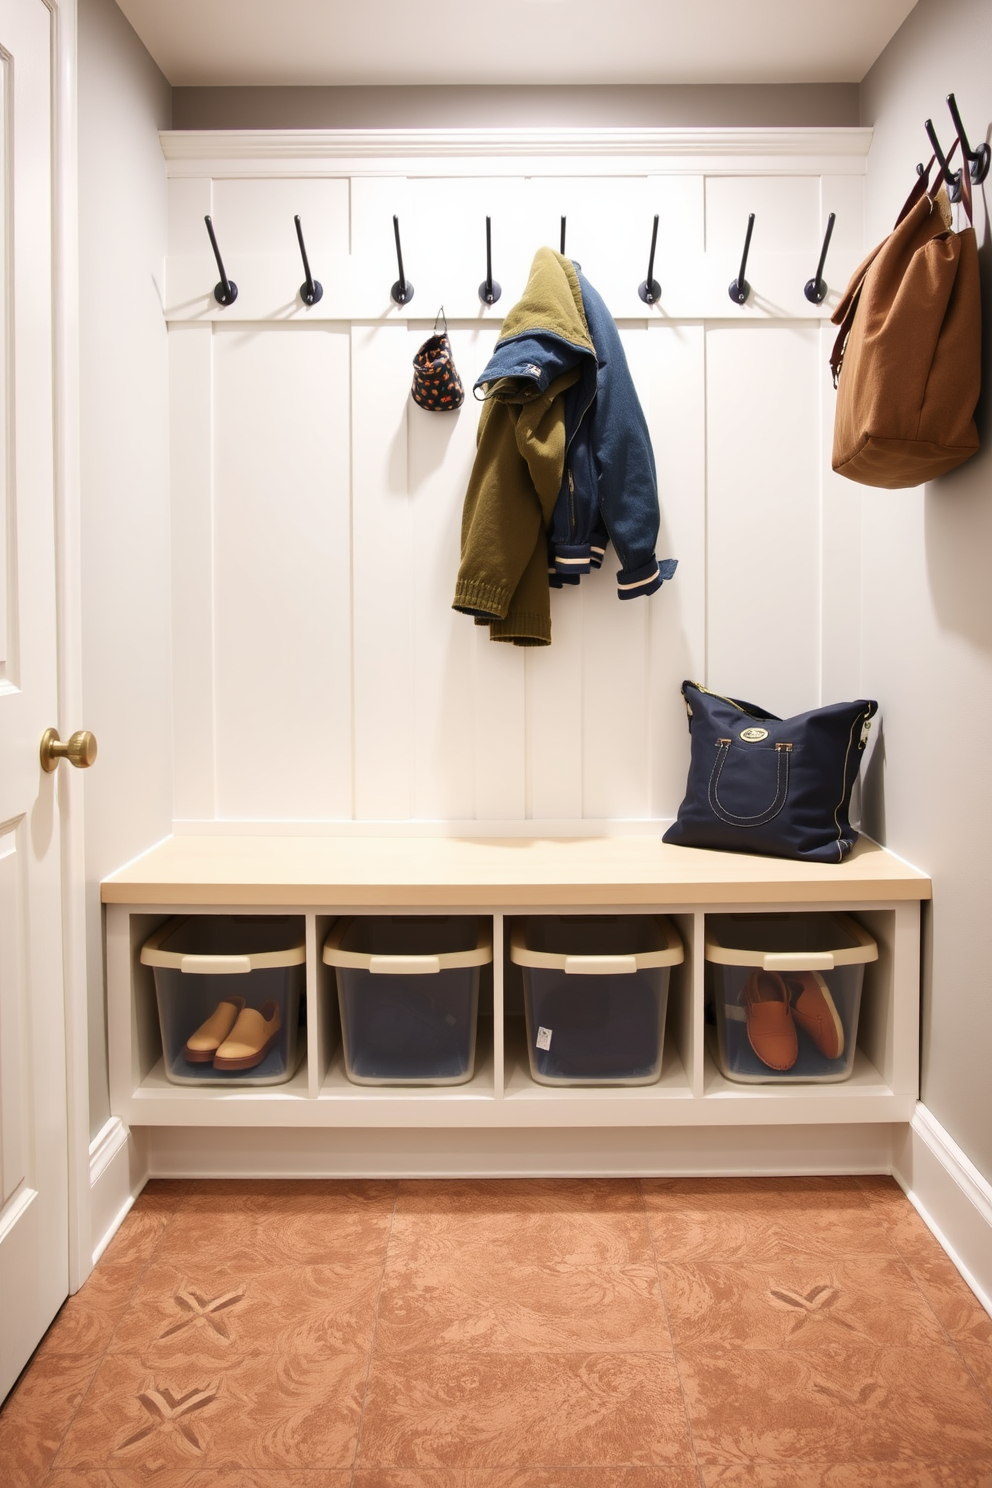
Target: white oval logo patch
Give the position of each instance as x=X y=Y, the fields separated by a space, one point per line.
x=753 y=735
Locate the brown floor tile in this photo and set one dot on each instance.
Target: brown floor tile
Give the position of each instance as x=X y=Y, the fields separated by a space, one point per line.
x=799 y=1302
x=323 y=1224
x=527 y=1411
x=955 y=1304
x=137 y=1238
x=259 y=1412
x=840 y=1404
x=578 y=1196
x=978 y=1357
x=255 y=1195
x=162 y=1195
x=37 y=1414
x=216 y=1313
x=528 y=1477
x=526 y=1222
x=81 y=1329
x=547 y=1308
x=909 y=1234
x=218 y=1477
x=852 y=1475
x=728 y=1219
x=98 y=1478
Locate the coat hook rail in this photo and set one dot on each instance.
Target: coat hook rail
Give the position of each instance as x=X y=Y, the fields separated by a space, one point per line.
x=815 y=289
x=952 y=178
x=311 y=289
x=489 y=290
x=402 y=290
x=978 y=160
x=226 y=292
x=650 y=290
x=740 y=289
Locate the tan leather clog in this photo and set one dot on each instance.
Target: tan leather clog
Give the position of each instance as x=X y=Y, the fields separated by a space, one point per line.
x=250 y=1039
x=815 y=1011
x=770 y=1030
x=202 y=1045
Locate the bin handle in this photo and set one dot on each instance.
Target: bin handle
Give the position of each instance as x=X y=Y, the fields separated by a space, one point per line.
x=215 y=965
x=404 y=965
x=600 y=965
x=798 y=961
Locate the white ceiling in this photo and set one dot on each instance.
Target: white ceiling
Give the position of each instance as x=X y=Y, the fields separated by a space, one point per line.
x=203 y=42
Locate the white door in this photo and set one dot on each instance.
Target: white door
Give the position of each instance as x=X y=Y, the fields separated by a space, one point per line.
x=34 y=1228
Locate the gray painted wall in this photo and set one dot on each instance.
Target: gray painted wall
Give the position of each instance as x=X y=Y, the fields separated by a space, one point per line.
x=124 y=409
x=635 y=106
x=927 y=603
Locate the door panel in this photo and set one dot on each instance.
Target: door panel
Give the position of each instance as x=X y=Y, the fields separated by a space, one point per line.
x=33 y=1145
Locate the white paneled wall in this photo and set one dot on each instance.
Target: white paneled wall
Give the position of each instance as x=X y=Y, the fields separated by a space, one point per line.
x=320 y=673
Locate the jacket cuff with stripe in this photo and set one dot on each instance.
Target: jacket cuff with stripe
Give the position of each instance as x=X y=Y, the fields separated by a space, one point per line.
x=648 y=579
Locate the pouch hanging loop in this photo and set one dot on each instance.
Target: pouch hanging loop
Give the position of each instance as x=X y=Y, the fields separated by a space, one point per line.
x=441 y=320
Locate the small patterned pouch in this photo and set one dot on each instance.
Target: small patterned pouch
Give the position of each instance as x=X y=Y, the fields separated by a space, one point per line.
x=436 y=385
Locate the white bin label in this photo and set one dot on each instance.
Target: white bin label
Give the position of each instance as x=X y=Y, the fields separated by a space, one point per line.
x=544 y=1038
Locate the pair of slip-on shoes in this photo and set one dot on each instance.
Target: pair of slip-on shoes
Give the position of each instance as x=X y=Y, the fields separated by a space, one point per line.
x=776 y=1004
x=234 y=1037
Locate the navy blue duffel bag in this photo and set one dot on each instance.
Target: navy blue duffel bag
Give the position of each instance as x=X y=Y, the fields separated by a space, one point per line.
x=762 y=784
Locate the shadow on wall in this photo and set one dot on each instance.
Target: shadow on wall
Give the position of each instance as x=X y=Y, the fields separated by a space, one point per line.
x=872 y=783
x=958 y=507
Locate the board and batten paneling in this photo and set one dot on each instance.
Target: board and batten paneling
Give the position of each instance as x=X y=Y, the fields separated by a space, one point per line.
x=321 y=675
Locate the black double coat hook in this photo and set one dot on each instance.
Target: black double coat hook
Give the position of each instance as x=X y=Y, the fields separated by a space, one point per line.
x=975 y=161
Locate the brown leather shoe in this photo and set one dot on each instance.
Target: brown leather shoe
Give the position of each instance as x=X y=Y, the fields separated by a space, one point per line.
x=202 y=1045
x=815 y=1011
x=250 y=1039
x=770 y=1030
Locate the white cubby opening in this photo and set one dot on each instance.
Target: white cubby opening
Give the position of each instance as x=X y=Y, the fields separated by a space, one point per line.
x=691 y=1090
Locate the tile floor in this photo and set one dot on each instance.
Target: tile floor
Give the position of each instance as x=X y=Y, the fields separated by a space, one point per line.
x=704 y=1333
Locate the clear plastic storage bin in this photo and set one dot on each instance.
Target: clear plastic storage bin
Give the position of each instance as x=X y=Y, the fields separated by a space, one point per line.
x=595 y=996
x=786 y=992
x=408 y=990
x=208 y=970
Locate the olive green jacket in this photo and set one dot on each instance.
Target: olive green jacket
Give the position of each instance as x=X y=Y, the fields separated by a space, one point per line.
x=547 y=355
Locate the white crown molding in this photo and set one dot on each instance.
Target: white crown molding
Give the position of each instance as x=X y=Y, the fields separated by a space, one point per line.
x=334 y=145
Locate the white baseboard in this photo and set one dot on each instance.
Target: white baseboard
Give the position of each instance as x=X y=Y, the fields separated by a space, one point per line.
x=118 y=1173
x=952 y=1197
x=280 y=1152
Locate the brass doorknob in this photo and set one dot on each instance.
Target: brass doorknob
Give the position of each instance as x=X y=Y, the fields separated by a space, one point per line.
x=79 y=750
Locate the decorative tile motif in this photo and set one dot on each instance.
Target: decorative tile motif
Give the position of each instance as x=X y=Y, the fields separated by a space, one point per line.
x=169 y=1412
x=802 y=1302
x=203 y=1309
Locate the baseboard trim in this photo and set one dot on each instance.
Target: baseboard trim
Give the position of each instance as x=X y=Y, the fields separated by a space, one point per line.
x=952 y=1197
x=601 y=1152
x=118 y=1173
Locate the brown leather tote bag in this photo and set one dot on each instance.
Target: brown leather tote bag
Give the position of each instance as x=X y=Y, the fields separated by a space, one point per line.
x=907 y=361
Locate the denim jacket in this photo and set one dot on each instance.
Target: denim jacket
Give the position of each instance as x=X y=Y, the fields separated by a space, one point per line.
x=610 y=488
